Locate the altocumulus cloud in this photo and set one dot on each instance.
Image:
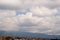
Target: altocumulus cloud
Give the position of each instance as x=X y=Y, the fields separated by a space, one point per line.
x=36 y=16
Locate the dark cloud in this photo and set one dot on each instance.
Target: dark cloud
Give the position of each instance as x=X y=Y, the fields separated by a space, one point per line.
x=9 y=7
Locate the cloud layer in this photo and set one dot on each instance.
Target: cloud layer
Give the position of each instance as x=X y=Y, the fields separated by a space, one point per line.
x=36 y=16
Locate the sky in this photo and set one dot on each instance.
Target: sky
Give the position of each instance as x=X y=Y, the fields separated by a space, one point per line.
x=35 y=16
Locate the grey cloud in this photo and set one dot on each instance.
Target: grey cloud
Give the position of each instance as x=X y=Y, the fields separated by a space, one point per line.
x=27 y=23
x=10 y=4
x=9 y=7
x=31 y=3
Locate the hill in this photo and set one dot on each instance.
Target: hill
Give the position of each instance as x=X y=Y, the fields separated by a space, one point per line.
x=29 y=35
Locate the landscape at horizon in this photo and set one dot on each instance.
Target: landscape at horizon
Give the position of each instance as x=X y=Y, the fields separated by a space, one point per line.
x=30 y=19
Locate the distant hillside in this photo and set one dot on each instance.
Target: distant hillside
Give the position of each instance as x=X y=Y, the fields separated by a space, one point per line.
x=29 y=35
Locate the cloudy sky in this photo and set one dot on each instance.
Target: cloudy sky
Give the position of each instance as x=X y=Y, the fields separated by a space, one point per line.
x=35 y=16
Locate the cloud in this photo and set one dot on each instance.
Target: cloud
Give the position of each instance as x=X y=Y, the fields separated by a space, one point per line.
x=7 y=13
x=23 y=4
x=26 y=22
x=46 y=3
x=43 y=11
x=6 y=20
x=37 y=16
x=10 y=4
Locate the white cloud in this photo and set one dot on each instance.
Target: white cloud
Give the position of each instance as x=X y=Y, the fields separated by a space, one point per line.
x=26 y=21
x=43 y=11
x=46 y=3
x=11 y=2
x=7 y=22
x=7 y=13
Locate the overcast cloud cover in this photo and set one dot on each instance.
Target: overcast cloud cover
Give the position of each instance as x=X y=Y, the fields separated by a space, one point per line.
x=36 y=16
